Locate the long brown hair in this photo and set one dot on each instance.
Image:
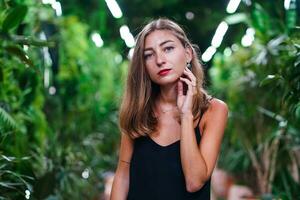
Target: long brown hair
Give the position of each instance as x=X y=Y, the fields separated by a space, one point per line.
x=137 y=116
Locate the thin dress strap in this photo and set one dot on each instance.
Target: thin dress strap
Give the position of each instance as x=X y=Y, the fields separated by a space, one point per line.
x=201 y=114
x=211 y=97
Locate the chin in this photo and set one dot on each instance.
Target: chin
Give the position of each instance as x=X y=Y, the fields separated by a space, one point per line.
x=166 y=81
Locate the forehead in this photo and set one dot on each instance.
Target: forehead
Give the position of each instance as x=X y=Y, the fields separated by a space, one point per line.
x=159 y=36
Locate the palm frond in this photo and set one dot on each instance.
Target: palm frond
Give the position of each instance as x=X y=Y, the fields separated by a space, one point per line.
x=7 y=119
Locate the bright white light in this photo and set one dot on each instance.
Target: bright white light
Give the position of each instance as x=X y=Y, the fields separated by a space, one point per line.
x=130 y=53
x=248 y=38
x=247 y=2
x=48 y=61
x=208 y=54
x=220 y=32
x=287 y=4
x=114 y=8
x=48 y=1
x=234 y=47
x=85 y=174
x=52 y=90
x=25 y=47
x=189 y=15
x=46 y=77
x=97 y=39
x=47 y=57
x=57 y=7
x=250 y=31
x=232 y=6
x=118 y=58
x=227 y=52
x=43 y=36
x=127 y=36
x=123 y=31
x=246 y=41
x=27 y=194
x=283 y=123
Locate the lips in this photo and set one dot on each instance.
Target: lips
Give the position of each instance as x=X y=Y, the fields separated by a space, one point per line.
x=164 y=72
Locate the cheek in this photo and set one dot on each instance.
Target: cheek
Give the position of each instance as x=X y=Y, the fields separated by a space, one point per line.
x=150 y=72
x=178 y=72
x=180 y=65
x=179 y=60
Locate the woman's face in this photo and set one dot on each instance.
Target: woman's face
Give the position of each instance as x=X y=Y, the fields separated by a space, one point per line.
x=165 y=57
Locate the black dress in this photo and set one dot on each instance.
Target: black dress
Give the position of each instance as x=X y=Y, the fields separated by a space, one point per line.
x=156 y=172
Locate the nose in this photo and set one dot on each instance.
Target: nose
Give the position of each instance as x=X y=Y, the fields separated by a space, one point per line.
x=160 y=59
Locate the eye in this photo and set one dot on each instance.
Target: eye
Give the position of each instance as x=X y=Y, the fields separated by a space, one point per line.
x=148 y=56
x=168 y=48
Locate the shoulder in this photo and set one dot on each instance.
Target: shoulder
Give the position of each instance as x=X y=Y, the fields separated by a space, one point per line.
x=217 y=105
x=217 y=110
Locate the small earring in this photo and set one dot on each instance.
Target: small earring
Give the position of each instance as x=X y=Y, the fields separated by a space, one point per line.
x=189 y=65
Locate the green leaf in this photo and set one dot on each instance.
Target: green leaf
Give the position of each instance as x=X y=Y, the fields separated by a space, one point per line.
x=3 y=13
x=271 y=78
x=8 y=185
x=274 y=44
x=19 y=53
x=9 y=159
x=1 y=73
x=3 y=166
x=14 y=17
x=7 y=119
x=297 y=46
x=297 y=61
x=297 y=111
x=260 y=19
x=291 y=15
x=25 y=40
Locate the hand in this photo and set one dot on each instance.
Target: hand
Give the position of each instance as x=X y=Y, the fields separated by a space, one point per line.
x=185 y=102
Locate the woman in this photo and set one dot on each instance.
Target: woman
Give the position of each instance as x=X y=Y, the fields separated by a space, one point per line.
x=171 y=128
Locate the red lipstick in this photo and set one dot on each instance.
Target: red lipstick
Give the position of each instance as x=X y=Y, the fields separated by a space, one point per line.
x=164 y=72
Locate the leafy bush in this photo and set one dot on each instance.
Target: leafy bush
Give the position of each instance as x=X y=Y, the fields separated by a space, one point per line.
x=59 y=95
x=261 y=84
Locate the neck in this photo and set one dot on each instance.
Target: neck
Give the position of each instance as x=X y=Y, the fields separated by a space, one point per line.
x=168 y=95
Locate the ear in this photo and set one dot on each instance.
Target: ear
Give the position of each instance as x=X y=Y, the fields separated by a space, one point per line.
x=188 y=53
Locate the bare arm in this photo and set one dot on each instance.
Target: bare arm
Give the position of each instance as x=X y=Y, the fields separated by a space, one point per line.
x=198 y=162
x=121 y=180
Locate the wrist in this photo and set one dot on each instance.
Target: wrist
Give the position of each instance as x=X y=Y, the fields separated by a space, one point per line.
x=186 y=115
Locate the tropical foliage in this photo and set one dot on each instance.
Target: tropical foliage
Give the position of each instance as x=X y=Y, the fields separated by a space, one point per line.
x=261 y=83
x=59 y=94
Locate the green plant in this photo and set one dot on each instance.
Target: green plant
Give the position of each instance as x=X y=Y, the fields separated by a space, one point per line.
x=261 y=86
x=55 y=145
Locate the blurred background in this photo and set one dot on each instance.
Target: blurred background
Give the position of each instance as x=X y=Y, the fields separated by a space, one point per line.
x=62 y=70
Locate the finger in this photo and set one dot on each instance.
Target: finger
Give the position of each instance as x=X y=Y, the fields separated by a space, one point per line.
x=189 y=72
x=191 y=87
x=188 y=82
x=191 y=76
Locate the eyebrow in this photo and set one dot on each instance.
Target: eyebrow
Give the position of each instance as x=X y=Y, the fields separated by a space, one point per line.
x=161 y=44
